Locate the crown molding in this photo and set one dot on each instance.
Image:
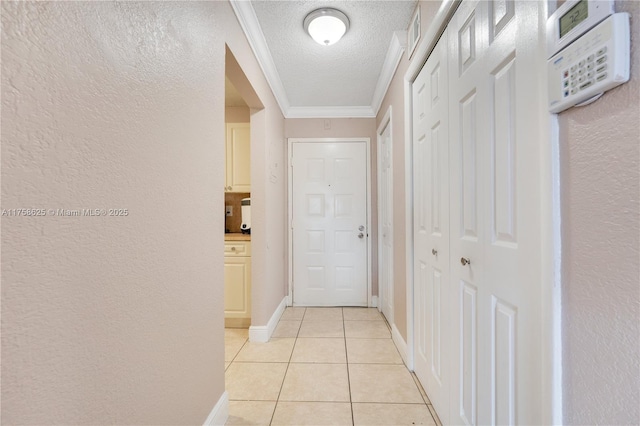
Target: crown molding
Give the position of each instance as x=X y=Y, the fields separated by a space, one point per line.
x=394 y=53
x=331 y=112
x=251 y=27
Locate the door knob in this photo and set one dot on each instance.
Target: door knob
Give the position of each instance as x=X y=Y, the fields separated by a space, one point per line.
x=361 y=235
x=361 y=228
x=465 y=261
x=434 y=252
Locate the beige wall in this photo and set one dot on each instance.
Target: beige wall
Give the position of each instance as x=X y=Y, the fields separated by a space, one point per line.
x=600 y=163
x=236 y=114
x=346 y=128
x=395 y=98
x=120 y=105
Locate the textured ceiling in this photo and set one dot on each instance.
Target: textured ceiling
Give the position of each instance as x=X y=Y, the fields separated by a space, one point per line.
x=344 y=74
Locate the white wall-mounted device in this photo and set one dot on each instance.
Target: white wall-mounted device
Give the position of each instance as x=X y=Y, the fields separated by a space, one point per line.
x=589 y=52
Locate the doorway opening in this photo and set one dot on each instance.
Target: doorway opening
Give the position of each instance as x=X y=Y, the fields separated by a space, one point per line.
x=241 y=106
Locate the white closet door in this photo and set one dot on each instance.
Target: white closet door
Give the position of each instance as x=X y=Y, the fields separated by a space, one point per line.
x=431 y=229
x=385 y=222
x=495 y=213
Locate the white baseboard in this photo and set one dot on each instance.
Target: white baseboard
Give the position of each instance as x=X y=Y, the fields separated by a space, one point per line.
x=374 y=301
x=400 y=343
x=262 y=333
x=289 y=301
x=220 y=413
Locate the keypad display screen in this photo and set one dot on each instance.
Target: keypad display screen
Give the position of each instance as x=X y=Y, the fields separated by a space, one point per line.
x=573 y=17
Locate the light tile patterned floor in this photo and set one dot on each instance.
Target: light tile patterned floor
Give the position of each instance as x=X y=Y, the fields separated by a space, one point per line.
x=323 y=366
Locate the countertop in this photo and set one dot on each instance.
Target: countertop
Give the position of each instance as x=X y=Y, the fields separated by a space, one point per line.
x=237 y=236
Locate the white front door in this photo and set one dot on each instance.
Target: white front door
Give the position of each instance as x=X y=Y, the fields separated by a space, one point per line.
x=432 y=355
x=385 y=219
x=329 y=220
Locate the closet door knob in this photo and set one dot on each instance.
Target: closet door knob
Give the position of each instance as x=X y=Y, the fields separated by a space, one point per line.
x=465 y=261
x=434 y=252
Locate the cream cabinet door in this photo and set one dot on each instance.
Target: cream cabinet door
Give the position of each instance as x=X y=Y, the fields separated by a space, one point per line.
x=238 y=158
x=237 y=280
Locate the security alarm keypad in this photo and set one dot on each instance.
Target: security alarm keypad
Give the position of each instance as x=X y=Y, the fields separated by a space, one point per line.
x=593 y=62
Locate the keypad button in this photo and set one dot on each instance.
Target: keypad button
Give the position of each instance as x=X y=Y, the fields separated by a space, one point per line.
x=590 y=74
x=581 y=79
x=602 y=76
x=581 y=71
x=574 y=91
x=581 y=63
x=601 y=68
x=573 y=68
x=565 y=74
x=590 y=58
x=602 y=60
x=601 y=51
x=566 y=93
x=574 y=76
x=589 y=67
x=574 y=83
x=586 y=84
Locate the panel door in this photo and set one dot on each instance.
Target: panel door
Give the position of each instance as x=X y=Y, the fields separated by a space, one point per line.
x=385 y=223
x=431 y=229
x=495 y=211
x=330 y=239
x=238 y=161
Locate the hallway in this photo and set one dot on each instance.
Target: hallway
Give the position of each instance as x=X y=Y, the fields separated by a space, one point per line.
x=324 y=366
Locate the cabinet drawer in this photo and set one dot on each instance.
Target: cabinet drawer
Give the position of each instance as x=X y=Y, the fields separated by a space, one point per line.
x=237 y=248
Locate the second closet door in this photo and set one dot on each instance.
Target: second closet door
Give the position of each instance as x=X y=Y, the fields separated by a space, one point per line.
x=431 y=229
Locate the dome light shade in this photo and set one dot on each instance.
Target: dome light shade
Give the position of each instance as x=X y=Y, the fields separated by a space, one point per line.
x=326 y=26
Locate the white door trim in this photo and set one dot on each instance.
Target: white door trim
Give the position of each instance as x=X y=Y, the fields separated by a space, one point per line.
x=290 y=142
x=386 y=122
x=551 y=246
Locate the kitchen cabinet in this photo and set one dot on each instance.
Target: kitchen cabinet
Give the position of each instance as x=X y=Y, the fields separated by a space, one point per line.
x=238 y=158
x=237 y=283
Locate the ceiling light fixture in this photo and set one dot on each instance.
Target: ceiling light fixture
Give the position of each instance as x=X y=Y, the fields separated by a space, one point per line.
x=327 y=25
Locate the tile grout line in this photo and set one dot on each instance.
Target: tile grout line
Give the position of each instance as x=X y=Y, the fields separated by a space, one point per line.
x=287 y=369
x=424 y=395
x=288 y=365
x=346 y=355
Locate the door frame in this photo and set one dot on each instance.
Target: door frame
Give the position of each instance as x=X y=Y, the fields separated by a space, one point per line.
x=384 y=123
x=370 y=232
x=550 y=252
